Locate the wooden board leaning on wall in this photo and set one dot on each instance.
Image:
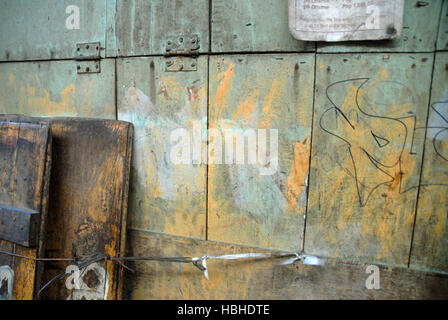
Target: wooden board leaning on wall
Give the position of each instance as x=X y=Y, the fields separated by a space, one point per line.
x=25 y=160
x=88 y=201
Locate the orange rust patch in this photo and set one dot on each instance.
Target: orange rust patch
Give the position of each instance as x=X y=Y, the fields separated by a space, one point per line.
x=299 y=171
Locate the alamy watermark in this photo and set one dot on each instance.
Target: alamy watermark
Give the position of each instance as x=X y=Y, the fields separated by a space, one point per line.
x=226 y=146
x=373 y=280
x=73 y=20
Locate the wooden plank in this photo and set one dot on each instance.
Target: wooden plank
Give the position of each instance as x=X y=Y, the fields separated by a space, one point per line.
x=260 y=204
x=420 y=24
x=21 y=181
x=140 y=30
x=88 y=200
x=164 y=196
x=32 y=31
x=430 y=245
x=366 y=155
x=24 y=187
x=262 y=279
x=53 y=88
x=442 y=40
x=111 y=18
x=253 y=25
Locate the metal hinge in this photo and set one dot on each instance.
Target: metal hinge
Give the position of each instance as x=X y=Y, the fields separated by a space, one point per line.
x=184 y=45
x=88 y=57
x=175 y=64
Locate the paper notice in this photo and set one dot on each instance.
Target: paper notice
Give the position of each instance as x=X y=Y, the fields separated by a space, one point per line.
x=345 y=20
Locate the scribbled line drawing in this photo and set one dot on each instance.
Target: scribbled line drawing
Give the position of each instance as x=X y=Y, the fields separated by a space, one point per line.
x=376 y=143
x=437 y=139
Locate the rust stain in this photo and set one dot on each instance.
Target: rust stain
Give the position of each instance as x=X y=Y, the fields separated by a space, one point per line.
x=267 y=108
x=299 y=172
x=164 y=92
x=221 y=92
x=245 y=110
x=382 y=72
x=192 y=93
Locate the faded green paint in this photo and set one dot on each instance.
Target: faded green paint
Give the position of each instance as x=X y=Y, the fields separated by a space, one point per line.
x=35 y=30
x=366 y=157
x=54 y=88
x=442 y=41
x=164 y=196
x=420 y=24
x=253 y=25
x=345 y=219
x=143 y=26
x=246 y=206
x=430 y=245
x=111 y=18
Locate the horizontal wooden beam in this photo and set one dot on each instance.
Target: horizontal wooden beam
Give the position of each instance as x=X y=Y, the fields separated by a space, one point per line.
x=262 y=279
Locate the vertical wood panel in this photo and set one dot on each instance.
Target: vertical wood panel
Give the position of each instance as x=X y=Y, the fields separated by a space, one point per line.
x=53 y=88
x=430 y=245
x=366 y=156
x=143 y=26
x=164 y=196
x=442 y=41
x=36 y=29
x=253 y=25
x=261 y=92
x=420 y=24
x=111 y=24
x=24 y=184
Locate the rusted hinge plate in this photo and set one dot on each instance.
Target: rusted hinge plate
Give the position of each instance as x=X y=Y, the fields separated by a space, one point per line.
x=88 y=66
x=88 y=51
x=88 y=57
x=182 y=45
x=176 y=64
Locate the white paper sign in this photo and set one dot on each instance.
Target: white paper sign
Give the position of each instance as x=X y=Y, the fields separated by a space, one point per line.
x=345 y=20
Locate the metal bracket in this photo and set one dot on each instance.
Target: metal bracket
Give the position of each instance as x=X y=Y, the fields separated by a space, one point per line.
x=187 y=45
x=176 y=64
x=88 y=51
x=88 y=57
x=88 y=66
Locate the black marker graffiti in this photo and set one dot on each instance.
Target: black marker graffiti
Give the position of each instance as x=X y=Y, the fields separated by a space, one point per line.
x=375 y=143
x=441 y=135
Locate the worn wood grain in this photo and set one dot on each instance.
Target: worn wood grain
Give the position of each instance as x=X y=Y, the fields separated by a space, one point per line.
x=141 y=30
x=253 y=25
x=25 y=160
x=420 y=25
x=35 y=30
x=366 y=155
x=88 y=200
x=260 y=203
x=430 y=245
x=164 y=196
x=53 y=88
x=262 y=279
x=21 y=181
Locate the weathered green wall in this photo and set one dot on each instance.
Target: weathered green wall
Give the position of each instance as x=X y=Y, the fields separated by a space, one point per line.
x=369 y=187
